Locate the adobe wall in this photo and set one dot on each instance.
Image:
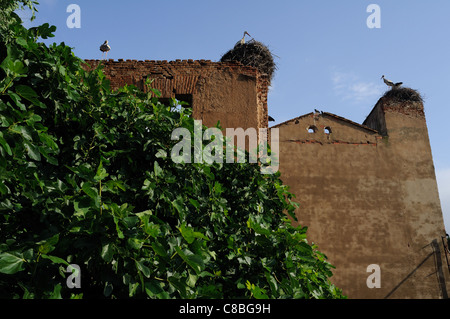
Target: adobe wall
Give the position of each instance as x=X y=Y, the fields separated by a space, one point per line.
x=370 y=198
x=226 y=91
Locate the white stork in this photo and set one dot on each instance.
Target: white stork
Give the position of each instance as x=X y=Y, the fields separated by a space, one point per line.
x=105 y=48
x=390 y=83
x=243 y=38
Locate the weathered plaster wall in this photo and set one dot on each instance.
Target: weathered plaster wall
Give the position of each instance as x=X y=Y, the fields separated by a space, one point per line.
x=369 y=199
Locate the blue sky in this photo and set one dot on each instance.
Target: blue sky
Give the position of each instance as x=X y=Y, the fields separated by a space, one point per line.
x=327 y=57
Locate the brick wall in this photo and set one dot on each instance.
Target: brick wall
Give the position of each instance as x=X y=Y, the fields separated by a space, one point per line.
x=188 y=77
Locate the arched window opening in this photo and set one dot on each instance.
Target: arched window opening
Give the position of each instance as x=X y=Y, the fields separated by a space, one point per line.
x=312 y=129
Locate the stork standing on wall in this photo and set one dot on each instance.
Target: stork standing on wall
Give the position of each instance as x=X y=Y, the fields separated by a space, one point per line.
x=390 y=83
x=243 y=38
x=105 y=48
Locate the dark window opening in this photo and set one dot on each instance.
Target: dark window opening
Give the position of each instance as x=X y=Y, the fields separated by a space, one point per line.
x=312 y=129
x=186 y=98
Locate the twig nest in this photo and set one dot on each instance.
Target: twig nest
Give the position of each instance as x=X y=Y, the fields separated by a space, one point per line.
x=403 y=94
x=252 y=53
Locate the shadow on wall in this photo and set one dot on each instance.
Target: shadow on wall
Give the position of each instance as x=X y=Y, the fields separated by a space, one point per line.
x=439 y=271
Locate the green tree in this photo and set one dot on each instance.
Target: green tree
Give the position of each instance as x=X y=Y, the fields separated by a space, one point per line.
x=87 y=179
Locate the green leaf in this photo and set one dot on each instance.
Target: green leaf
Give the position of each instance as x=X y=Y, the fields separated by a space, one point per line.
x=50 y=159
x=194 y=202
x=89 y=190
x=257 y=224
x=178 y=285
x=16 y=67
x=10 y=264
x=272 y=283
x=144 y=213
x=150 y=228
x=46 y=30
x=135 y=243
x=17 y=100
x=108 y=289
x=107 y=252
x=4 y=121
x=260 y=293
x=26 y=133
x=178 y=204
x=192 y=280
x=5 y=145
x=143 y=269
x=161 y=154
x=119 y=231
x=132 y=289
x=55 y=259
x=257 y=292
x=157 y=169
x=23 y=42
x=194 y=261
x=159 y=249
x=154 y=289
x=48 y=140
x=189 y=234
x=48 y=245
x=82 y=206
x=33 y=119
x=3 y=189
x=101 y=172
x=33 y=151
x=56 y=294
x=26 y=92
x=29 y=94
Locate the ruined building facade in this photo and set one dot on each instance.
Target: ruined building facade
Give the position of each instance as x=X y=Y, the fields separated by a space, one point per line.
x=367 y=192
x=231 y=93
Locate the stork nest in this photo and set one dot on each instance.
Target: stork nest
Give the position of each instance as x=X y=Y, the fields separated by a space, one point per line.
x=402 y=94
x=252 y=53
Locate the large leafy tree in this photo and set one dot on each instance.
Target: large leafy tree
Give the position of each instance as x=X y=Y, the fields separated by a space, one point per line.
x=87 y=179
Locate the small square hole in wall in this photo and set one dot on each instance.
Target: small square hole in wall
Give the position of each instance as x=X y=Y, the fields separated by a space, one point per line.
x=179 y=97
x=185 y=98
